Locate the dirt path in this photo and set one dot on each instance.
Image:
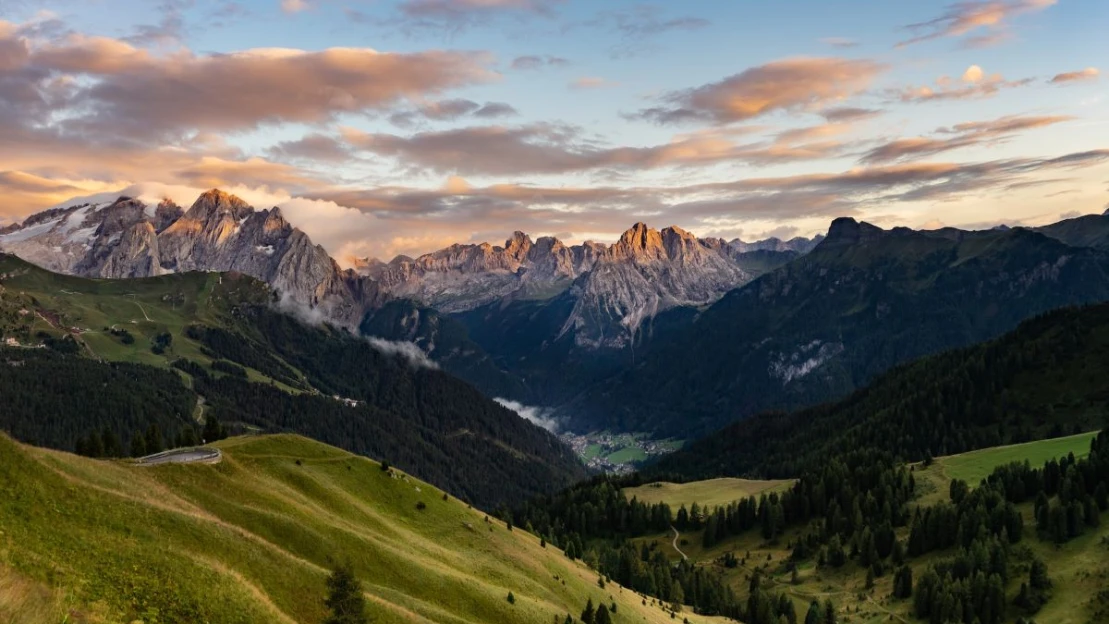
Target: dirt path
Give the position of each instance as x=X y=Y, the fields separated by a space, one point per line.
x=675 y=543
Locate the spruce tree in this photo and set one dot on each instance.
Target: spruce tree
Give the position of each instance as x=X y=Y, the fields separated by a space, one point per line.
x=344 y=597
x=815 y=615
x=602 y=616
x=587 y=614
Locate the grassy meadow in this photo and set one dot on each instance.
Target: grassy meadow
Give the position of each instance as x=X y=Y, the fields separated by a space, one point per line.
x=708 y=493
x=251 y=539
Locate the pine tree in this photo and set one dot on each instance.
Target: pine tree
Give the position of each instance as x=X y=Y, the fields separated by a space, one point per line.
x=138 y=446
x=602 y=616
x=815 y=615
x=213 y=430
x=344 y=597
x=587 y=614
x=154 y=442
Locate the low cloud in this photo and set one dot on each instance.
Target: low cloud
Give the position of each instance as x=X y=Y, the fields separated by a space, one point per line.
x=539 y=416
x=407 y=350
x=790 y=84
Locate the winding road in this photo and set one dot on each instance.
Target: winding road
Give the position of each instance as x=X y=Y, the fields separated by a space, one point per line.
x=676 y=536
x=182 y=456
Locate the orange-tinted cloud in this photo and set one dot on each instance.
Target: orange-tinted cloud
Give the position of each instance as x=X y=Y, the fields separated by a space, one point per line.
x=549 y=149
x=963 y=18
x=958 y=136
x=1090 y=73
x=974 y=84
x=789 y=84
x=106 y=87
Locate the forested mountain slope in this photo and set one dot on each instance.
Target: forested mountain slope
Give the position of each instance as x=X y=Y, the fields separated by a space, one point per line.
x=863 y=301
x=124 y=356
x=1044 y=379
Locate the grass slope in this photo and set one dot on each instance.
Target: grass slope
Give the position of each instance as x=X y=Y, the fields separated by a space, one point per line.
x=250 y=540
x=1079 y=569
x=89 y=309
x=974 y=466
x=707 y=493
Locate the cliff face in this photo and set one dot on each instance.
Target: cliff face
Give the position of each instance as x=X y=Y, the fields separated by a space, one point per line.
x=219 y=232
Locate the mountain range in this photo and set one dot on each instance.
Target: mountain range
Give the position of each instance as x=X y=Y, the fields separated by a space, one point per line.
x=660 y=331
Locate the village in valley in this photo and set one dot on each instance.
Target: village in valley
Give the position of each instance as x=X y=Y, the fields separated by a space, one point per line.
x=617 y=453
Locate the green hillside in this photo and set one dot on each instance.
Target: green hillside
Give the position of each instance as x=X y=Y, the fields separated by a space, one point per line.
x=1044 y=379
x=172 y=351
x=1078 y=568
x=251 y=540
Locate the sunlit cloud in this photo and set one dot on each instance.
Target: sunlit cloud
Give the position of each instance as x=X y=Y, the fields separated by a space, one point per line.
x=1090 y=73
x=790 y=84
x=963 y=18
x=974 y=84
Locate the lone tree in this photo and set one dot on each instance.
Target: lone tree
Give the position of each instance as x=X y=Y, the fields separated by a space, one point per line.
x=344 y=597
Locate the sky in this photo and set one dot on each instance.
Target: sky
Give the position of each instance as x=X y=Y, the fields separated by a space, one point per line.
x=385 y=127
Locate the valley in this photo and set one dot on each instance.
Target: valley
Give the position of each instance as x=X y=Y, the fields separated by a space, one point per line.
x=618 y=453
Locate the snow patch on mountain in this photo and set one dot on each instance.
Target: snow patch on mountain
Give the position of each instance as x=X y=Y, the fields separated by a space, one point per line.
x=805 y=360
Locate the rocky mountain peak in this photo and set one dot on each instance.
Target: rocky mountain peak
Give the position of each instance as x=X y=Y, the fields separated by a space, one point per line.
x=215 y=203
x=847 y=231
x=518 y=245
x=639 y=242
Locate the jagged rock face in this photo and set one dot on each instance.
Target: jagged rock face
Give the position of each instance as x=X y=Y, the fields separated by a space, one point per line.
x=219 y=232
x=644 y=273
x=463 y=277
x=615 y=287
x=799 y=245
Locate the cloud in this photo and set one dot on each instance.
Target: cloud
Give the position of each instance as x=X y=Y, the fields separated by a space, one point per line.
x=839 y=42
x=458 y=15
x=963 y=18
x=311 y=147
x=451 y=110
x=849 y=114
x=1090 y=73
x=958 y=136
x=406 y=350
x=107 y=89
x=591 y=82
x=538 y=416
x=294 y=6
x=532 y=62
x=974 y=84
x=559 y=148
x=790 y=84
